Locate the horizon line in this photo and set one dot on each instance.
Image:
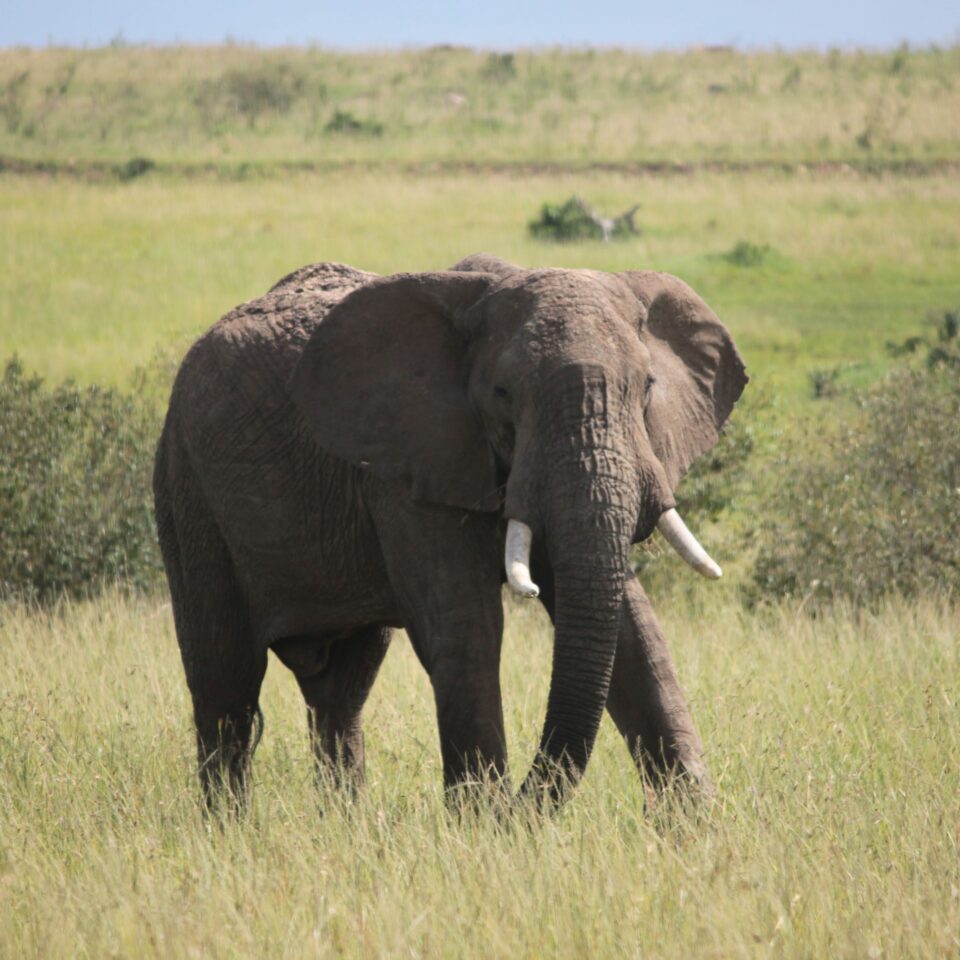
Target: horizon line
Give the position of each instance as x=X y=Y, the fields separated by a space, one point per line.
x=122 y=43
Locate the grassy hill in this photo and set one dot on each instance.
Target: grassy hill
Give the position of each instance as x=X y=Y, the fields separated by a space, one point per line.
x=239 y=107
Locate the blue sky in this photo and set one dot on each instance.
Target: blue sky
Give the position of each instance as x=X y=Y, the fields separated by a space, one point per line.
x=499 y=24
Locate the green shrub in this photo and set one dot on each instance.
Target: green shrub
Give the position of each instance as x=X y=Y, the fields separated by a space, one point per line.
x=576 y=220
x=823 y=381
x=714 y=481
x=499 y=67
x=873 y=507
x=343 y=121
x=943 y=352
x=133 y=168
x=75 y=490
x=791 y=81
x=563 y=222
x=12 y=100
x=747 y=254
x=251 y=93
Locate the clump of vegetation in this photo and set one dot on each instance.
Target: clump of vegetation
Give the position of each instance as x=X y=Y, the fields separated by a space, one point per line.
x=715 y=480
x=791 y=80
x=134 y=167
x=874 y=507
x=75 y=481
x=563 y=222
x=499 y=67
x=823 y=382
x=343 y=121
x=747 y=254
x=12 y=95
x=250 y=93
x=899 y=60
x=880 y=125
x=574 y=219
x=944 y=351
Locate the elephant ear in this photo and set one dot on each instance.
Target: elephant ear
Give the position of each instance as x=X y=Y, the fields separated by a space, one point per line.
x=382 y=383
x=698 y=373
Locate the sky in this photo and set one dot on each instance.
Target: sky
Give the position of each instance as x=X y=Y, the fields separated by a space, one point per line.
x=493 y=24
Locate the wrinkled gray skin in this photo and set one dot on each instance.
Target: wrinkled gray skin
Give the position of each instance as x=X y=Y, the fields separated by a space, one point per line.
x=340 y=457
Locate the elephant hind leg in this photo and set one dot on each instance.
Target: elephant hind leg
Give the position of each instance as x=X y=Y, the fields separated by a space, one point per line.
x=224 y=665
x=224 y=672
x=335 y=678
x=229 y=724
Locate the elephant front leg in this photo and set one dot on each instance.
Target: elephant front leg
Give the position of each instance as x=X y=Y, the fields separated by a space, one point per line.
x=647 y=703
x=445 y=568
x=458 y=643
x=469 y=717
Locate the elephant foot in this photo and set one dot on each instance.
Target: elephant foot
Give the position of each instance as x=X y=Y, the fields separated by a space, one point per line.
x=686 y=786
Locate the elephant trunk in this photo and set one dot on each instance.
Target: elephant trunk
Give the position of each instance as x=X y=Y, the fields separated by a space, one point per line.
x=588 y=520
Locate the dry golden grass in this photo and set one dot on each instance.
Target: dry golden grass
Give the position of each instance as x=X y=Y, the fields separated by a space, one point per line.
x=834 y=742
x=231 y=104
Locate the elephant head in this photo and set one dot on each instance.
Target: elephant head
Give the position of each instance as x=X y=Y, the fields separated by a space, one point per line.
x=572 y=401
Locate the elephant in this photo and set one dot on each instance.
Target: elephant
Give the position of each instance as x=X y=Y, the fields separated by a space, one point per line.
x=353 y=453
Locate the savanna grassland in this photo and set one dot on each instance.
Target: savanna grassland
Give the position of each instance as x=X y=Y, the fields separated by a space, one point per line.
x=813 y=199
x=834 y=743
x=97 y=276
x=236 y=108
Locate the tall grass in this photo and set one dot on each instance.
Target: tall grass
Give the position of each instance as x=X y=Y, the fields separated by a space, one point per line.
x=833 y=740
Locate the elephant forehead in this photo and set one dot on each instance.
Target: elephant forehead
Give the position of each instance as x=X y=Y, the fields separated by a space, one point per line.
x=572 y=297
x=584 y=328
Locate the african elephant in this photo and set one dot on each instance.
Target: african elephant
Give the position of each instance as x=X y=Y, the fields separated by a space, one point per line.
x=351 y=453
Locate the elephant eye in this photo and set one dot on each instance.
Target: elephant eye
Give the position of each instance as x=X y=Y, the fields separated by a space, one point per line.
x=651 y=380
x=501 y=393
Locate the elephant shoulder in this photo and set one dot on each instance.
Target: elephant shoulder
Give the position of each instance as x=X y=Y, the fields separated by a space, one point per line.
x=292 y=307
x=245 y=359
x=280 y=322
x=321 y=278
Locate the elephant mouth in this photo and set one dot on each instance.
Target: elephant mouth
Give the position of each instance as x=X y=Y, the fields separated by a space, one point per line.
x=671 y=525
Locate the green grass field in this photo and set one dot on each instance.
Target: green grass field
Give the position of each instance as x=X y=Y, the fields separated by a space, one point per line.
x=833 y=739
x=96 y=277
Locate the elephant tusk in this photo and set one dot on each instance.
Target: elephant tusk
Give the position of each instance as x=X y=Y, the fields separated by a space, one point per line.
x=685 y=543
x=517 y=559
